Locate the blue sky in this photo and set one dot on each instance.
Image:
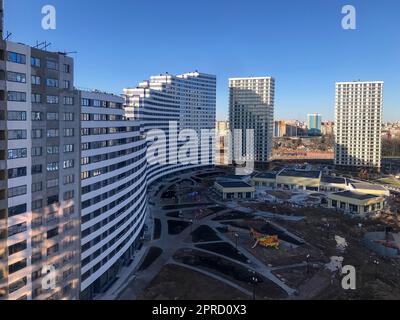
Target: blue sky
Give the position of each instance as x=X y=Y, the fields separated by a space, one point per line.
x=299 y=42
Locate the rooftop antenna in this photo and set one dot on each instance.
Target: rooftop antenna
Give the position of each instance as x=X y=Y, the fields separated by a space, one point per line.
x=39 y=44
x=45 y=46
x=7 y=36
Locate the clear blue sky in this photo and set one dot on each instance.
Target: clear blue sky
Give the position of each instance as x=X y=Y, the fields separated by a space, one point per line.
x=299 y=42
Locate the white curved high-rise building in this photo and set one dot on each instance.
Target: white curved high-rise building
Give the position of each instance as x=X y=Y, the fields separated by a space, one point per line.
x=113 y=190
x=175 y=105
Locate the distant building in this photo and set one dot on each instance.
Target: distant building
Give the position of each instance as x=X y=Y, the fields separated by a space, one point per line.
x=251 y=106
x=327 y=128
x=358 y=124
x=314 y=124
x=285 y=129
x=221 y=144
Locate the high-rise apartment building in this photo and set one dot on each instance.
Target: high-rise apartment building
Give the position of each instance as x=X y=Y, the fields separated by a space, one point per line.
x=251 y=106
x=314 y=121
x=358 y=124
x=113 y=190
x=42 y=217
x=173 y=104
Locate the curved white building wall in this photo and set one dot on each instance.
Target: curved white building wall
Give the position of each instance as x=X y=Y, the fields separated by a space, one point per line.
x=113 y=195
x=187 y=101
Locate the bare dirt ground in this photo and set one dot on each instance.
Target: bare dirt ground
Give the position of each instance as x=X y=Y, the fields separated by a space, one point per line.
x=192 y=286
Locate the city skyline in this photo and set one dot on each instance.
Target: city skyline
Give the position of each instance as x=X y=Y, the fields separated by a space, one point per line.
x=305 y=81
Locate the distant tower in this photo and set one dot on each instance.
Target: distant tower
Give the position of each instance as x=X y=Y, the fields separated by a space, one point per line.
x=358 y=124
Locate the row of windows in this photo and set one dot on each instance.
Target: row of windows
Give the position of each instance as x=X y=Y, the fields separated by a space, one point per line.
x=17 y=96
x=109 y=156
x=108 y=143
x=113 y=192
x=38 y=133
x=36 y=62
x=113 y=167
x=100 y=103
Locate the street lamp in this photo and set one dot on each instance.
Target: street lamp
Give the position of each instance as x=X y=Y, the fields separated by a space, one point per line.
x=308 y=262
x=376 y=263
x=255 y=281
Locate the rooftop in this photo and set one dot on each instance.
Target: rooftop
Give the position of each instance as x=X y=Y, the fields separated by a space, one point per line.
x=300 y=173
x=367 y=186
x=234 y=184
x=355 y=195
x=266 y=175
x=337 y=180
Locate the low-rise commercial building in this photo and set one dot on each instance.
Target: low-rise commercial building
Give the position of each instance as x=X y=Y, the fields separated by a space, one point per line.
x=298 y=180
x=355 y=203
x=235 y=190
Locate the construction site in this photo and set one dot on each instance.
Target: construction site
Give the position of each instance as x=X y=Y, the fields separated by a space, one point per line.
x=206 y=247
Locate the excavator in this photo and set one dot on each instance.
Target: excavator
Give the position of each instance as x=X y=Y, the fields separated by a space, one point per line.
x=265 y=240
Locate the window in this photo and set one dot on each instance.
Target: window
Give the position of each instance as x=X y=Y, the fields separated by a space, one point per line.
x=37 y=169
x=16 y=172
x=36 y=133
x=52 y=83
x=68 y=195
x=68 y=116
x=16 y=77
x=52 y=166
x=52 y=233
x=15 y=248
x=52 y=116
x=68 y=148
x=52 y=250
x=66 y=68
x=52 y=183
x=85 y=102
x=16 y=96
x=52 y=99
x=52 y=133
x=52 y=150
x=18 y=228
x=35 y=62
x=19 y=284
x=85 y=116
x=17 y=266
x=17 y=191
x=37 y=116
x=68 y=164
x=16 y=134
x=35 y=80
x=69 y=179
x=36 y=98
x=37 y=186
x=53 y=65
x=69 y=132
x=16 y=57
x=14 y=211
x=37 y=204
x=52 y=200
x=16 y=115
x=68 y=101
x=66 y=84
x=17 y=153
x=36 y=151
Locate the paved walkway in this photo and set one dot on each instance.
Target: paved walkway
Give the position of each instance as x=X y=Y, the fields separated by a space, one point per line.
x=132 y=284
